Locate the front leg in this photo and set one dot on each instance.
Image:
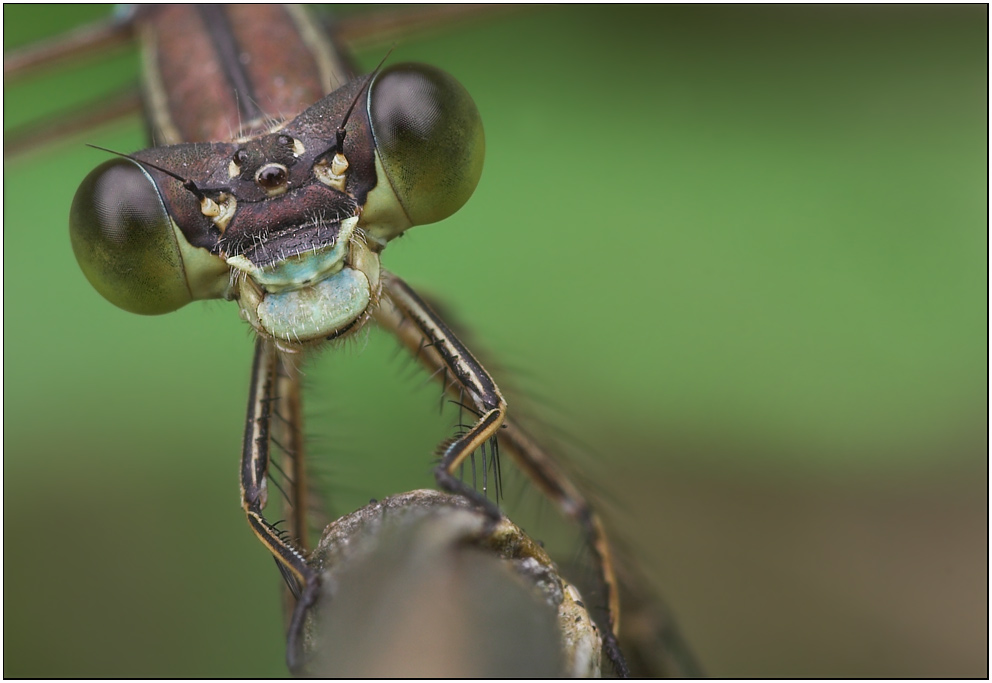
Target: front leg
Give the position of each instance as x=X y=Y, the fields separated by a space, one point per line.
x=254 y=466
x=422 y=330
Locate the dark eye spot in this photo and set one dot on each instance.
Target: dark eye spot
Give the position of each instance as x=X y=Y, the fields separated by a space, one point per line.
x=241 y=157
x=285 y=140
x=271 y=176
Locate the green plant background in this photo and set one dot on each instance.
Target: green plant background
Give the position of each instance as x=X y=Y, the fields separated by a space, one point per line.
x=743 y=252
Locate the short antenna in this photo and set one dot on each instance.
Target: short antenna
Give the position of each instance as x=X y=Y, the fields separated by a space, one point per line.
x=188 y=184
x=340 y=133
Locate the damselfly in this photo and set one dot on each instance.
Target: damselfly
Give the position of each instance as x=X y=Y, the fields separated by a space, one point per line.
x=452 y=365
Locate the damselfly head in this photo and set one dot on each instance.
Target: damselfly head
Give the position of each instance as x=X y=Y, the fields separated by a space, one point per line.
x=289 y=222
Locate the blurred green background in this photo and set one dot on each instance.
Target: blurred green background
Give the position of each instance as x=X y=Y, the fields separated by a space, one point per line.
x=741 y=251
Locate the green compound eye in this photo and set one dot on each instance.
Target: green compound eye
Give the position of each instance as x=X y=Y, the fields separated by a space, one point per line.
x=429 y=143
x=124 y=240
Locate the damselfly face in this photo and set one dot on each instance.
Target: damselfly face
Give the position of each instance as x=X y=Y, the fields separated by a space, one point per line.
x=289 y=222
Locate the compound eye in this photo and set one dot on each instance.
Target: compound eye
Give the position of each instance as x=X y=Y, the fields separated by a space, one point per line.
x=124 y=240
x=429 y=139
